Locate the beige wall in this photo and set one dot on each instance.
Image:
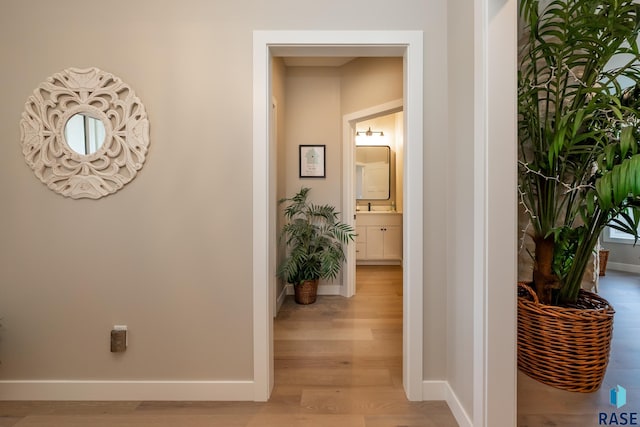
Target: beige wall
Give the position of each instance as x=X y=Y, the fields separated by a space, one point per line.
x=313 y=118
x=367 y=82
x=169 y=255
x=623 y=253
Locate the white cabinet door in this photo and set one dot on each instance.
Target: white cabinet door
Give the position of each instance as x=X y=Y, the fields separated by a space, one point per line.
x=375 y=242
x=392 y=242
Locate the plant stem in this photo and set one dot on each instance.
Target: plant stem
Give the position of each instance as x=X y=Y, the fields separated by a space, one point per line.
x=573 y=282
x=543 y=276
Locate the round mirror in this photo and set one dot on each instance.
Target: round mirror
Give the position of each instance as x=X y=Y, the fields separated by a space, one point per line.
x=84 y=134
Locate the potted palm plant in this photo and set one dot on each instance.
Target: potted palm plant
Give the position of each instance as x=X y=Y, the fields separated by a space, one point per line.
x=314 y=238
x=578 y=171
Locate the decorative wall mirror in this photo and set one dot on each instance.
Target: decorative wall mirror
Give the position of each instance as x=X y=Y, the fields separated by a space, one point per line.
x=84 y=133
x=373 y=172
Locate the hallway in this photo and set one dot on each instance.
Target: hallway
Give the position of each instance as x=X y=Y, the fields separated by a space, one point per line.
x=339 y=361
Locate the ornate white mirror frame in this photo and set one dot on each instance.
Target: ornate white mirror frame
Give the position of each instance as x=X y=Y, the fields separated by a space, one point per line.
x=100 y=95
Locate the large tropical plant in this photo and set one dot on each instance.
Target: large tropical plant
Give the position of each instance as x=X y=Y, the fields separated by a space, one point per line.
x=579 y=156
x=315 y=239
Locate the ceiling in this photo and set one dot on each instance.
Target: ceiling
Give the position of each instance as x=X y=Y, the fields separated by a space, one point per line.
x=331 y=56
x=316 y=61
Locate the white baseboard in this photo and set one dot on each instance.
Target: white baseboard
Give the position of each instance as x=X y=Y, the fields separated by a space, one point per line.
x=280 y=299
x=434 y=390
x=457 y=409
x=127 y=390
x=618 y=266
x=441 y=390
x=322 y=289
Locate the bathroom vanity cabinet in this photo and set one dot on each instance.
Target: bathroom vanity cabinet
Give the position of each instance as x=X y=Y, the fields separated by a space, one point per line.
x=379 y=239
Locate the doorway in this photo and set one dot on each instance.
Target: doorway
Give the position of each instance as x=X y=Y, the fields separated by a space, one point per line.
x=350 y=123
x=301 y=43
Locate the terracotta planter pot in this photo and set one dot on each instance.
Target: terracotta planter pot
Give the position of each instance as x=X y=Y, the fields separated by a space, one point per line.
x=564 y=347
x=306 y=292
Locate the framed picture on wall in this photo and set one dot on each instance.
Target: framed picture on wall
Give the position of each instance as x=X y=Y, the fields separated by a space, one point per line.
x=312 y=161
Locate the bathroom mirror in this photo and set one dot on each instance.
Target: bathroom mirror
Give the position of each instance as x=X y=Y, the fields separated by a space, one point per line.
x=373 y=172
x=85 y=133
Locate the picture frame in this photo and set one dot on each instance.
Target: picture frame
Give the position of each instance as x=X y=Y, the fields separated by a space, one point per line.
x=312 y=161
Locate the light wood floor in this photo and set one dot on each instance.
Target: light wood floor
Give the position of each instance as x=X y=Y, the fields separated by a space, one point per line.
x=338 y=364
x=540 y=405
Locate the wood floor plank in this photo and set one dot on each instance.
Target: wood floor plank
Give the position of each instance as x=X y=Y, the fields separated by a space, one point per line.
x=391 y=323
x=9 y=421
x=557 y=420
x=24 y=408
x=362 y=400
x=332 y=362
x=199 y=408
x=357 y=349
x=135 y=420
x=334 y=377
x=307 y=420
x=432 y=419
x=343 y=334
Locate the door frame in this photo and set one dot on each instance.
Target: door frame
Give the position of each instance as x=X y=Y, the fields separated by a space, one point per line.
x=407 y=44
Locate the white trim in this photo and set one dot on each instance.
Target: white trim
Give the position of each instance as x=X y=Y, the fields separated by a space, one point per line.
x=126 y=390
x=441 y=390
x=495 y=213
x=262 y=316
x=608 y=238
x=618 y=266
x=348 y=160
x=348 y=202
x=457 y=409
x=480 y=214
x=413 y=219
x=301 y=43
x=273 y=236
x=434 y=390
x=281 y=297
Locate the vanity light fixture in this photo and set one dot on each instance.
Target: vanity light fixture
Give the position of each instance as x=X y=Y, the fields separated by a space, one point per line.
x=369 y=132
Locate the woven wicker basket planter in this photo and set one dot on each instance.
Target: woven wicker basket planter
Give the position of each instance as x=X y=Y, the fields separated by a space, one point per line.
x=306 y=292
x=567 y=348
